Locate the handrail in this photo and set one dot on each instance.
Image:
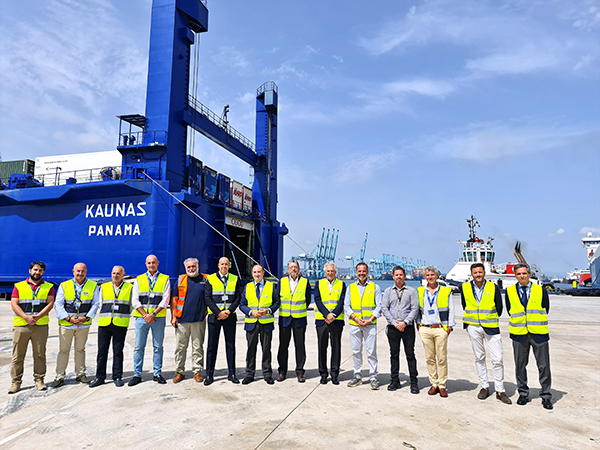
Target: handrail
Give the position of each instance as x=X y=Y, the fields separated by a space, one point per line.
x=219 y=122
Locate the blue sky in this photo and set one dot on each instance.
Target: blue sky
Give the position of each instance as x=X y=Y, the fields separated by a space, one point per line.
x=399 y=119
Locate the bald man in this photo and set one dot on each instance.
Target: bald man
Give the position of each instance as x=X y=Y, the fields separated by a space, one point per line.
x=115 y=311
x=150 y=300
x=76 y=304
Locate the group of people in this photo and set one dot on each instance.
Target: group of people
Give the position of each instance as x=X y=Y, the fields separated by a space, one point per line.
x=198 y=302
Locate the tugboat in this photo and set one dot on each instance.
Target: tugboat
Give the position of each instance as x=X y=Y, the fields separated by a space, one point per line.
x=480 y=250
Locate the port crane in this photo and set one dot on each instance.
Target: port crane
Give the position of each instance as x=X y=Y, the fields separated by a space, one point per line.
x=358 y=256
x=312 y=263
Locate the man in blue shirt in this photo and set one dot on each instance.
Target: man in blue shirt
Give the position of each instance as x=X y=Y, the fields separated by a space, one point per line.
x=187 y=317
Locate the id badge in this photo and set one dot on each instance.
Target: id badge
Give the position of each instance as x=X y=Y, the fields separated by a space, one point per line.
x=77 y=304
x=35 y=302
x=431 y=311
x=115 y=308
x=226 y=297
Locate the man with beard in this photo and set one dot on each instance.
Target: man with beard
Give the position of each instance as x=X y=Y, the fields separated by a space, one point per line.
x=363 y=306
x=187 y=317
x=31 y=302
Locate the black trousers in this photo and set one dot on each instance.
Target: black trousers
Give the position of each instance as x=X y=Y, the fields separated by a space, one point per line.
x=214 y=331
x=252 y=338
x=118 y=339
x=285 y=336
x=330 y=333
x=408 y=338
x=541 y=351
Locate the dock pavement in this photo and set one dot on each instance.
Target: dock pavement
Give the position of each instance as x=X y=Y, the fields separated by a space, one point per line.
x=291 y=415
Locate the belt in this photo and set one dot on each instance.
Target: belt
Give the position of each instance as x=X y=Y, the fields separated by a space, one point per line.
x=433 y=326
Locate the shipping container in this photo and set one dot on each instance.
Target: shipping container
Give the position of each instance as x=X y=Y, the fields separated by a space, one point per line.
x=22 y=166
x=247 y=203
x=84 y=167
x=209 y=183
x=224 y=189
x=194 y=173
x=237 y=195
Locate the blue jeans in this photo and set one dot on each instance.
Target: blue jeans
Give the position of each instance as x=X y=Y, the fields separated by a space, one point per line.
x=141 y=336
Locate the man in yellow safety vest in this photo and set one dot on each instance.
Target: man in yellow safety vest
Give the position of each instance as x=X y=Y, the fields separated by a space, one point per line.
x=528 y=305
x=295 y=296
x=259 y=302
x=115 y=311
x=31 y=302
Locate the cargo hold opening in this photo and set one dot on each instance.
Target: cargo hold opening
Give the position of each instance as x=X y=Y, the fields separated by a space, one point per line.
x=242 y=238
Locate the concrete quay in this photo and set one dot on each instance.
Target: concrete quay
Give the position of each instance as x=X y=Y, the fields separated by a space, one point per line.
x=292 y=415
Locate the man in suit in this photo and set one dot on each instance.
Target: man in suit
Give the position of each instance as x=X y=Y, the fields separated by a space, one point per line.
x=482 y=305
x=528 y=305
x=329 y=320
x=223 y=294
x=295 y=297
x=259 y=302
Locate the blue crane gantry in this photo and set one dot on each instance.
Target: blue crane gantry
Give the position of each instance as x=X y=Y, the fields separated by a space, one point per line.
x=386 y=262
x=312 y=263
x=360 y=253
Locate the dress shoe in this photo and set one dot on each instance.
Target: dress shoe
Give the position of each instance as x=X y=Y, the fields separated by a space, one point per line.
x=483 y=394
x=281 y=377
x=39 y=385
x=247 y=380
x=547 y=403
x=414 y=389
x=208 y=381
x=14 y=388
x=301 y=379
x=269 y=380
x=522 y=400
x=443 y=393
x=233 y=379
x=324 y=380
x=198 y=377
x=119 y=383
x=134 y=381
x=335 y=380
x=97 y=382
x=179 y=377
x=159 y=379
x=503 y=398
x=433 y=390
x=393 y=386
x=82 y=379
x=58 y=383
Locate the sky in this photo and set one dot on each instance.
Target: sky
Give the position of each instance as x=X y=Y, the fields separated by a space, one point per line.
x=398 y=119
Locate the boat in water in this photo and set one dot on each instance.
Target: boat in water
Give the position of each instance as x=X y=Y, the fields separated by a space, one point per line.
x=480 y=250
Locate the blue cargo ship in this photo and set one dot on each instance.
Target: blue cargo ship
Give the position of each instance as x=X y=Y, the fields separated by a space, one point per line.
x=161 y=200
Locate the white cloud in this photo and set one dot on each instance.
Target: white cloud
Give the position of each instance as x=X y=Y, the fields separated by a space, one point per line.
x=594 y=230
x=557 y=232
x=361 y=168
x=516 y=38
x=427 y=87
x=230 y=57
x=488 y=141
